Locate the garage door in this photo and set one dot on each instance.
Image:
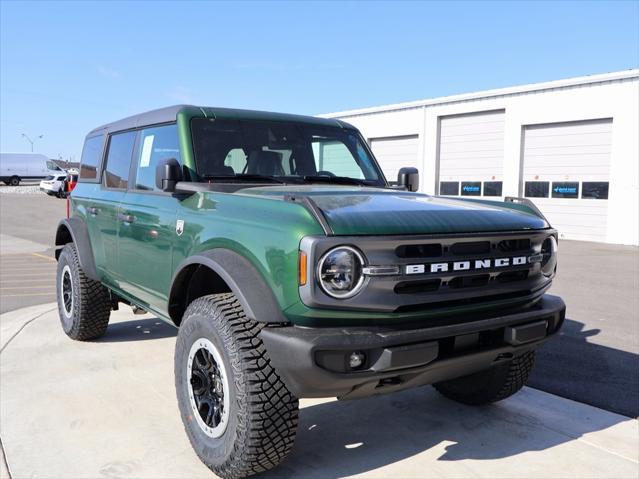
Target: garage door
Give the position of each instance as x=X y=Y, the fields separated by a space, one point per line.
x=395 y=152
x=566 y=172
x=471 y=154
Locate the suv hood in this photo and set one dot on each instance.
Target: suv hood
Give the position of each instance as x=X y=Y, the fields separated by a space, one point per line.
x=373 y=211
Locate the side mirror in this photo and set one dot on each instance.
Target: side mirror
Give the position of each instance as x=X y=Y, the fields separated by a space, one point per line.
x=408 y=177
x=167 y=174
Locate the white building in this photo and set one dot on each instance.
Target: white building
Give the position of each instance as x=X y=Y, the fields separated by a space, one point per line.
x=572 y=146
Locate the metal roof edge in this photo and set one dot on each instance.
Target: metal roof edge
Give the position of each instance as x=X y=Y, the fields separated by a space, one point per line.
x=531 y=87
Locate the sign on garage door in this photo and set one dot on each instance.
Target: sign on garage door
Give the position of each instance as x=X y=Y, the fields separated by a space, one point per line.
x=471 y=154
x=566 y=172
x=395 y=152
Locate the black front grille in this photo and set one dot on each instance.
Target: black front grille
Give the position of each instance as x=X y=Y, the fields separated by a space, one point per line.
x=469 y=248
x=431 y=250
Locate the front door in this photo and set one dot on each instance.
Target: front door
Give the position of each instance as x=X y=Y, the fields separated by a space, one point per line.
x=147 y=228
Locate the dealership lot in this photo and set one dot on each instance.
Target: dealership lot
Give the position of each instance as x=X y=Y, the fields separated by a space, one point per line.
x=594 y=361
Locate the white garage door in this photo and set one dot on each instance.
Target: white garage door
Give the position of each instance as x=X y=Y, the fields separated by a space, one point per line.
x=395 y=152
x=566 y=172
x=471 y=154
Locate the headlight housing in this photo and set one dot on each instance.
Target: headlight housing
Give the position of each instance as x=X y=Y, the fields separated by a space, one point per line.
x=339 y=272
x=549 y=252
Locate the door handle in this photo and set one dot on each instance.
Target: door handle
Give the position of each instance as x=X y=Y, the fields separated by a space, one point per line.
x=126 y=218
x=93 y=211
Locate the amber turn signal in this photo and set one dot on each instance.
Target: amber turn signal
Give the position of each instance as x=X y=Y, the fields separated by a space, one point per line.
x=302 y=268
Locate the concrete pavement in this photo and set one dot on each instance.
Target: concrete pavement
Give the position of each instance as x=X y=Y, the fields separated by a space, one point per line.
x=108 y=409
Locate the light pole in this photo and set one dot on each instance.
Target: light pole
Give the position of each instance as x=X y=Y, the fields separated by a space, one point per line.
x=24 y=135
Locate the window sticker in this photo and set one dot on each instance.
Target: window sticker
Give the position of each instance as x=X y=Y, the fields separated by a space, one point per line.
x=147 y=149
x=471 y=188
x=565 y=189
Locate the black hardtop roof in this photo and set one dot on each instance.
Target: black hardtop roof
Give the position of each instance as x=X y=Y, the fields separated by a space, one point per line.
x=169 y=114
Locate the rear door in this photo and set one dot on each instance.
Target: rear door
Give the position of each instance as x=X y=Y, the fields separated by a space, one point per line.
x=147 y=225
x=103 y=206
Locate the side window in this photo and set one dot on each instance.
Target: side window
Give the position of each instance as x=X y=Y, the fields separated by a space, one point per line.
x=156 y=144
x=118 y=161
x=91 y=157
x=334 y=157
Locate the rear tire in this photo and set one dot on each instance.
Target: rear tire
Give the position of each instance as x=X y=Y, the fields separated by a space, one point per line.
x=84 y=305
x=238 y=415
x=492 y=384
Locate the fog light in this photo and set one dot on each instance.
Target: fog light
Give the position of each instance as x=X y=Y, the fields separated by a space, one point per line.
x=356 y=359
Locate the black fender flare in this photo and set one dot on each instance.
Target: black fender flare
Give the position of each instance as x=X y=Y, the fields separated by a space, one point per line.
x=241 y=277
x=74 y=230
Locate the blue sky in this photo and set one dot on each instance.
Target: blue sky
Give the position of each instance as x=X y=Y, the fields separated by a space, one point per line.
x=68 y=67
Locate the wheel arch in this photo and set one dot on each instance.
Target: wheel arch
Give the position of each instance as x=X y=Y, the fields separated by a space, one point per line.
x=73 y=230
x=223 y=271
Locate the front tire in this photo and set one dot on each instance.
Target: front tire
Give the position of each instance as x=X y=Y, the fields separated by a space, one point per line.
x=238 y=415
x=84 y=305
x=14 y=181
x=492 y=384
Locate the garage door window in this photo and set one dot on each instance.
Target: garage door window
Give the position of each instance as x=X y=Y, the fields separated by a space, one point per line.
x=471 y=188
x=596 y=190
x=537 y=189
x=565 y=189
x=492 y=188
x=449 y=188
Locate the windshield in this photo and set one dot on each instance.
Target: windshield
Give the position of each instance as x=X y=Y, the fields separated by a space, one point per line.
x=281 y=151
x=52 y=166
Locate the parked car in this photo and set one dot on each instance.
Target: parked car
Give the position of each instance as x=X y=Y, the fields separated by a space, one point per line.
x=17 y=167
x=293 y=269
x=54 y=185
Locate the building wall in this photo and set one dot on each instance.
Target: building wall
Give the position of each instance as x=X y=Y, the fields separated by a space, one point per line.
x=613 y=96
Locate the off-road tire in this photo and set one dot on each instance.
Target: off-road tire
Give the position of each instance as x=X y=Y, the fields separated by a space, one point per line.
x=262 y=420
x=91 y=303
x=490 y=385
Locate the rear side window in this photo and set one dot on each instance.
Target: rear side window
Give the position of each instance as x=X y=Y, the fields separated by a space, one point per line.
x=91 y=157
x=118 y=161
x=156 y=144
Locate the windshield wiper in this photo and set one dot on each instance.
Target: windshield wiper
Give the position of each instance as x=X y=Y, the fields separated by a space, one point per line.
x=340 y=180
x=245 y=177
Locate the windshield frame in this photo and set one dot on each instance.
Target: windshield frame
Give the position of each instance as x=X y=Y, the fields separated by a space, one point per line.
x=380 y=182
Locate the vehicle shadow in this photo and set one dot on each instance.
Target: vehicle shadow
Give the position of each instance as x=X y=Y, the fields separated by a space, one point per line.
x=338 y=439
x=572 y=367
x=137 y=330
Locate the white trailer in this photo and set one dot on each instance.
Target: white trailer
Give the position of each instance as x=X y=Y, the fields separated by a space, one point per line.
x=17 y=167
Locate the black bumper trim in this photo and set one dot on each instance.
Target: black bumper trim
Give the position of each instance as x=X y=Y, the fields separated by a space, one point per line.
x=293 y=351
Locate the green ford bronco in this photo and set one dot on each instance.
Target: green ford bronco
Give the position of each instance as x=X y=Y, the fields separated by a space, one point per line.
x=294 y=269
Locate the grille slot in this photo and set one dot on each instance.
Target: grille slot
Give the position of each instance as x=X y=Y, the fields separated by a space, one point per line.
x=429 y=250
x=469 y=281
x=415 y=287
x=510 y=245
x=510 y=276
x=475 y=247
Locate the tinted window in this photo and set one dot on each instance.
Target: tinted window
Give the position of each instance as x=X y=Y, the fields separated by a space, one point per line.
x=449 y=188
x=492 y=188
x=597 y=190
x=118 y=160
x=471 y=188
x=537 y=189
x=156 y=144
x=565 y=189
x=293 y=150
x=91 y=157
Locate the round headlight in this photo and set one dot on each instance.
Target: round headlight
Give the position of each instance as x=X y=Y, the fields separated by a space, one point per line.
x=340 y=273
x=549 y=252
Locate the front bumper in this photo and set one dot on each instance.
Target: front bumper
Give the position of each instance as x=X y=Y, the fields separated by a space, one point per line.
x=313 y=362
